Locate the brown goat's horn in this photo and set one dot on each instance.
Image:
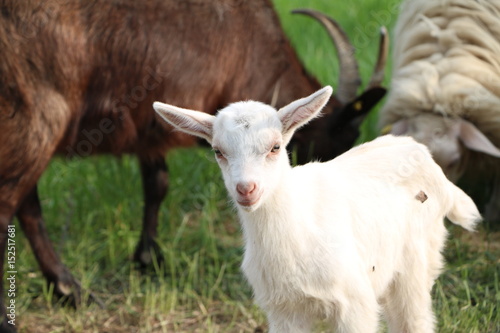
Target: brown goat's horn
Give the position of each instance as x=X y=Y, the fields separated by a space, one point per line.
x=383 y=50
x=349 y=79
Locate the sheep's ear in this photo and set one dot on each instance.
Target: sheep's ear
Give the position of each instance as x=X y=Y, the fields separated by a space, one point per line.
x=192 y=122
x=303 y=110
x=473 y=139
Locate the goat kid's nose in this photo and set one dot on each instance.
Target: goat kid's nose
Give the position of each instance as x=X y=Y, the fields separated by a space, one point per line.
x=246 y=189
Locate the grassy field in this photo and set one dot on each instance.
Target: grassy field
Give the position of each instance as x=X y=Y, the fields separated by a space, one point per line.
x=93 y=209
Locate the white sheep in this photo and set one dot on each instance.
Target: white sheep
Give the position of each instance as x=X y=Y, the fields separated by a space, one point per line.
x=445 y=86
x=336 y=241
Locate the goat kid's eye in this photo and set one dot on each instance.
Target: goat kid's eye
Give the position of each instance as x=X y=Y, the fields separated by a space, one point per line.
x=218 y=153
x=276 y=148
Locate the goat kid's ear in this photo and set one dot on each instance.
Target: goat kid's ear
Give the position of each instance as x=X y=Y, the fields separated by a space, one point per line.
x=189 y=121
x=301 y=111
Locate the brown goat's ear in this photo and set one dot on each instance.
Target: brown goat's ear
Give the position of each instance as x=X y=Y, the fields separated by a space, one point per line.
x=362 y=104
x=189 y=121
x=355 y=111
x=301 y=111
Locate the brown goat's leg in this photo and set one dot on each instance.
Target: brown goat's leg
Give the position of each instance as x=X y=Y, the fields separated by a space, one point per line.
x=155 y=185
x=33 y=225
x=30 y=137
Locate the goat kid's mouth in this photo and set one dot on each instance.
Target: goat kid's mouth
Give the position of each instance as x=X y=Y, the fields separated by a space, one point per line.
x=248 y=201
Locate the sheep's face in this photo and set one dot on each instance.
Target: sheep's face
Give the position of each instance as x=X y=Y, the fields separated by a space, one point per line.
x=250 y=151
x=448 y=139
x=439 y=134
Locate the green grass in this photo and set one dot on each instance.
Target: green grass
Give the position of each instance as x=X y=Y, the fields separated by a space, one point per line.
x=93 y=210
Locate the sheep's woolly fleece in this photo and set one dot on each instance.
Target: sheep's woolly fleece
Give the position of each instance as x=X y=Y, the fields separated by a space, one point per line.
x=447 y=60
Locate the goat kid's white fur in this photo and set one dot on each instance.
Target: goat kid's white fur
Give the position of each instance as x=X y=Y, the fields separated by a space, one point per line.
x=339 y=241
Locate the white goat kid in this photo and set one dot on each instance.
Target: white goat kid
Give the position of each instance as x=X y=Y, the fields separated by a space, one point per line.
x=337 y=241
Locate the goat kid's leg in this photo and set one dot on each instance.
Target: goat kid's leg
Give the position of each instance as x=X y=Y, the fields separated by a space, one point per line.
x=155 y=185
x=361 y=315
x=289 y=322
x=408 y=305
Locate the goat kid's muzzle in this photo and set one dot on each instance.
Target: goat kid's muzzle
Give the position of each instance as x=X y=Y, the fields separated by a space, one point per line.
x=248 y=194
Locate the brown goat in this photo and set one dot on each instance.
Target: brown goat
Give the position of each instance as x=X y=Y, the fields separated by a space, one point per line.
x=79 y=77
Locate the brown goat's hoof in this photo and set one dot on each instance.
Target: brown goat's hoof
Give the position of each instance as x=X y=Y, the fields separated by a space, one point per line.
x=92 y=298
x=70 y=292
x=5 y=327
x=148 y=255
